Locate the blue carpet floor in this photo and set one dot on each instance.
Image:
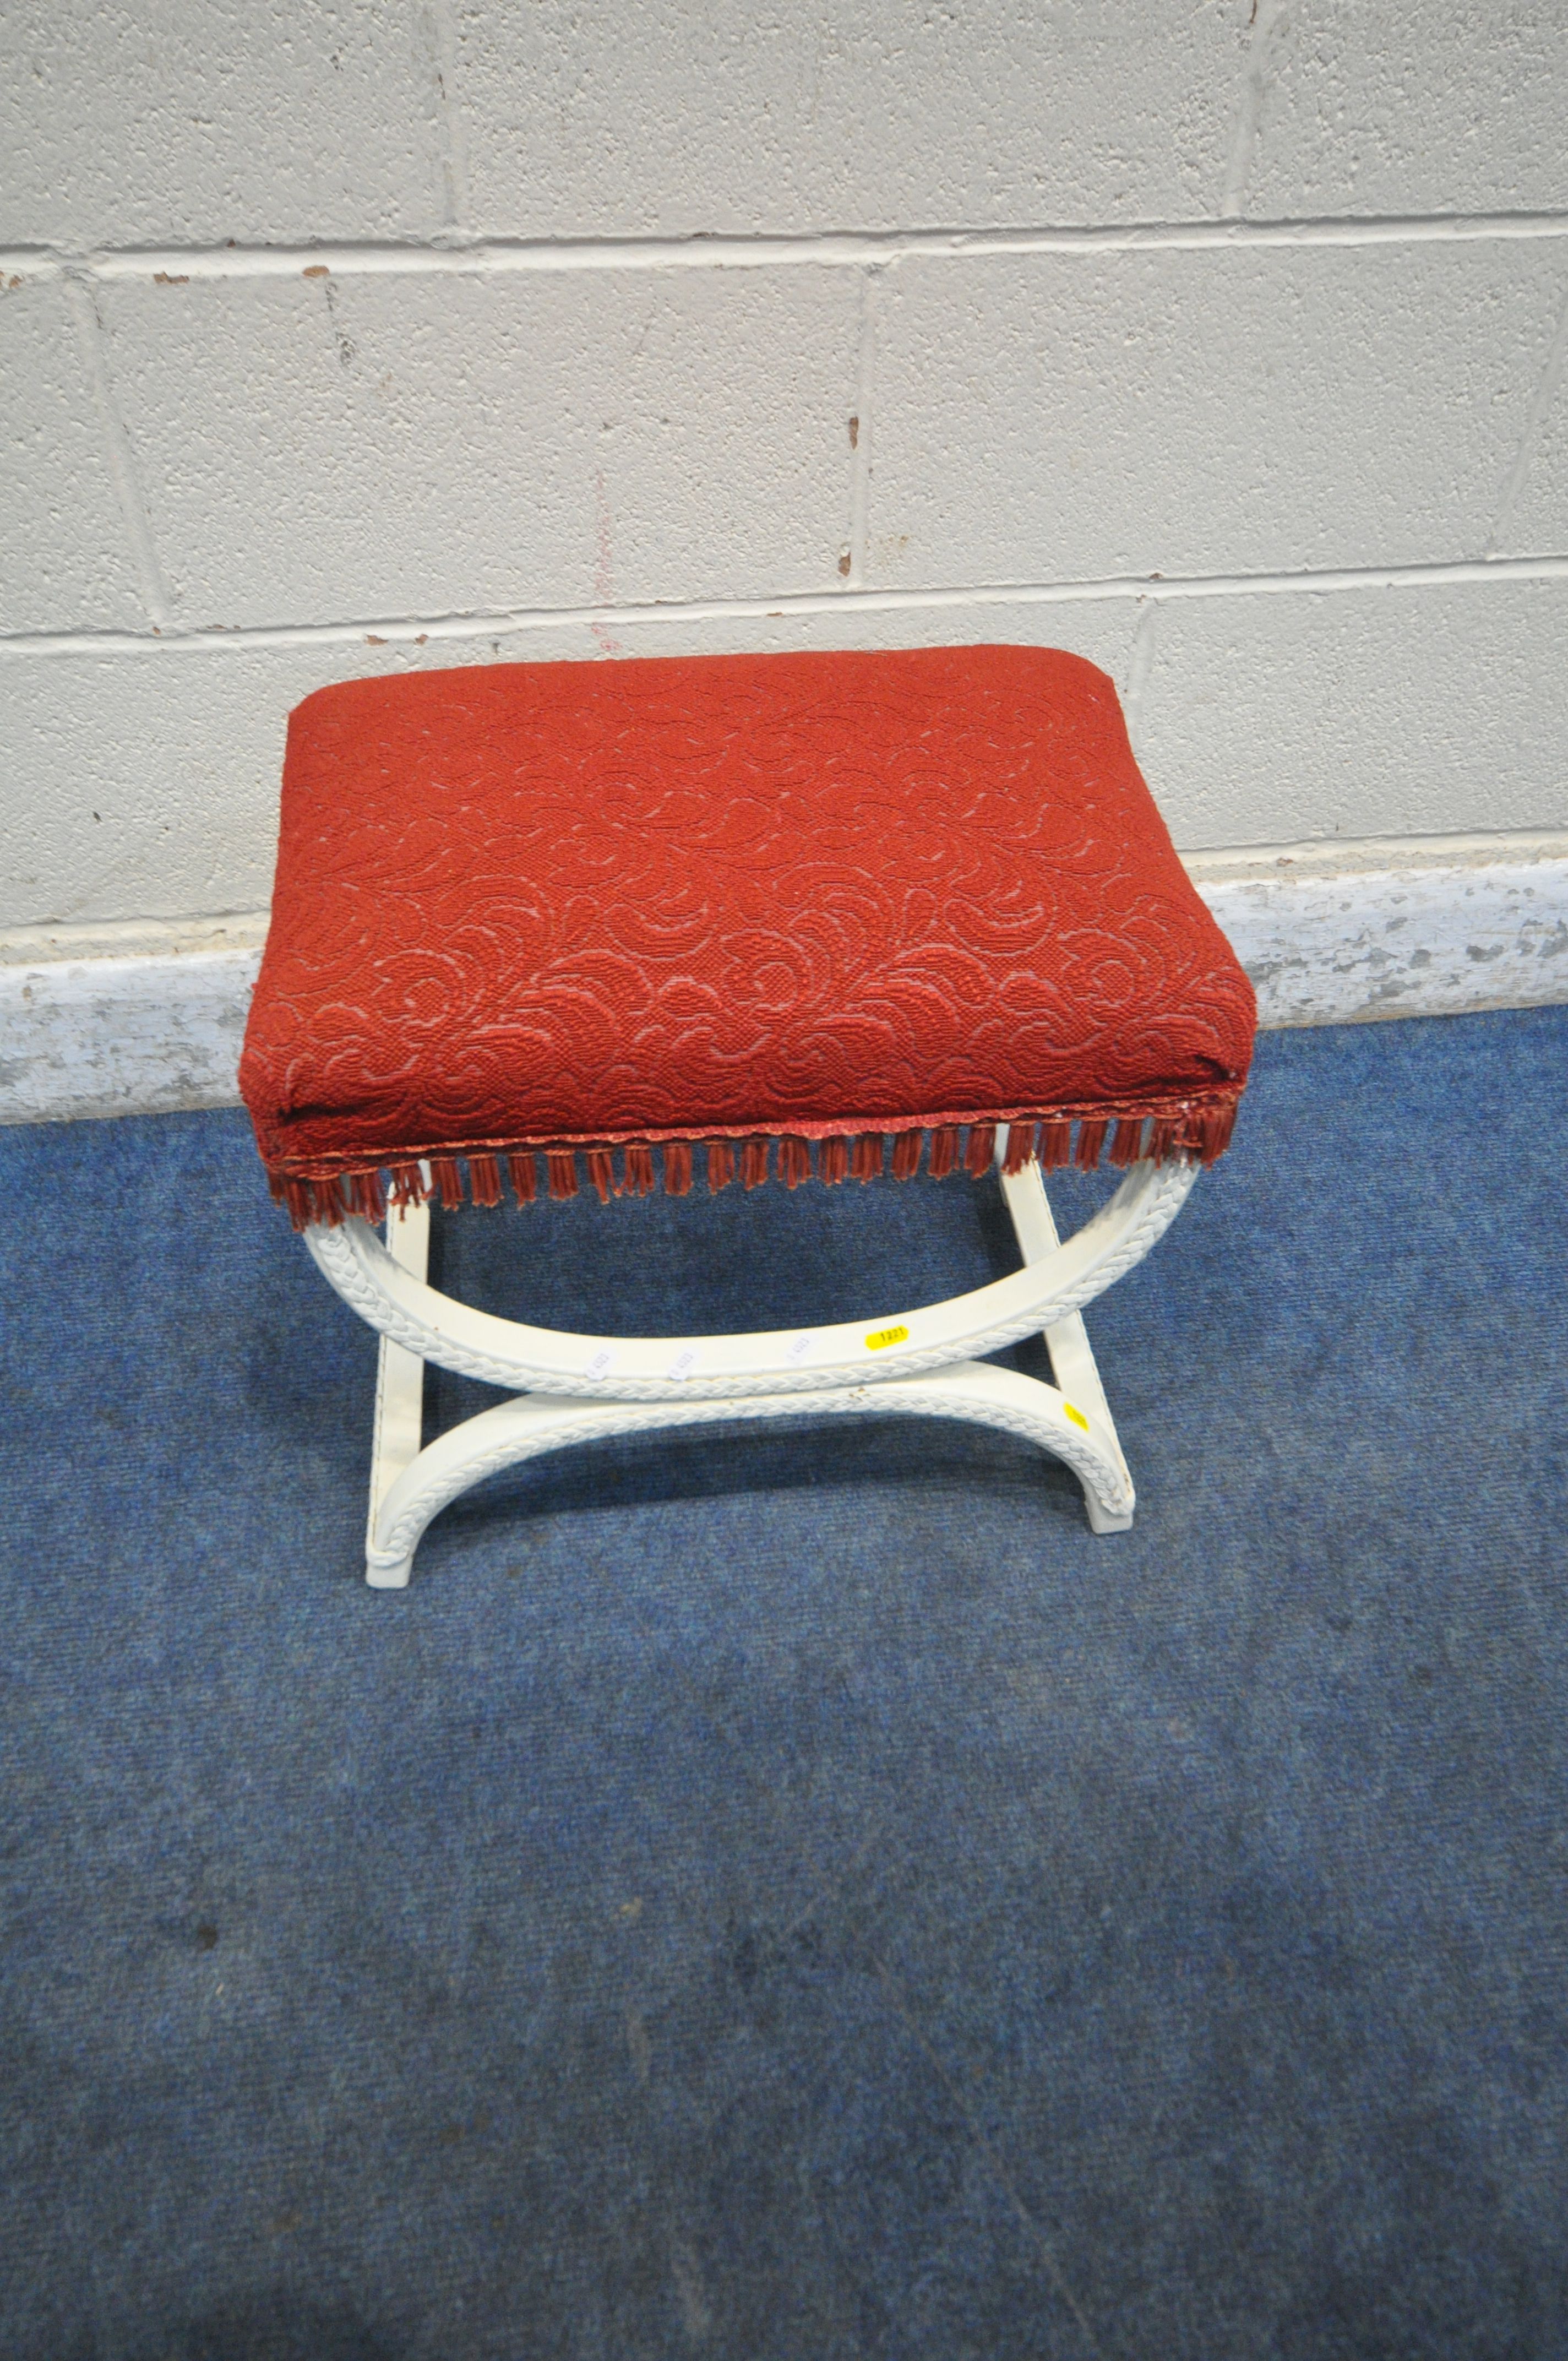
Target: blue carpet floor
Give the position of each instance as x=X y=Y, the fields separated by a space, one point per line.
x=799 y=1895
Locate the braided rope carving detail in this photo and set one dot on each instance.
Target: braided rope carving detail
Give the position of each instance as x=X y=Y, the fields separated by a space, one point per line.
x=1092 y=1467
x=336 y=1254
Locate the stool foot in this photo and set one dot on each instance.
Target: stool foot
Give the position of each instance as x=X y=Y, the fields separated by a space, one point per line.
x=389 y=1578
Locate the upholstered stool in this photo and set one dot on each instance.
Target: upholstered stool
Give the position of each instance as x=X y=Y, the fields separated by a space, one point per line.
x=730 y=919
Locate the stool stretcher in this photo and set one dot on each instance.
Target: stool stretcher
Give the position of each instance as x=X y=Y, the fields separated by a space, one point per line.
x=925 y=1362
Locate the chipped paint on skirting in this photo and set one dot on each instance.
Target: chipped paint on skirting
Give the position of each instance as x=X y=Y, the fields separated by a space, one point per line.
x=156 y=1028
x=139 y=1035
x=1436 y=941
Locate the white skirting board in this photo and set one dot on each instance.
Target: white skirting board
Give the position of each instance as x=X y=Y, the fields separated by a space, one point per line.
x=1330 y=936
x=146 y=1018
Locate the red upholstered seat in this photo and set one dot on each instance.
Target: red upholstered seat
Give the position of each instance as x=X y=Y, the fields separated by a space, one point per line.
x=810 y=907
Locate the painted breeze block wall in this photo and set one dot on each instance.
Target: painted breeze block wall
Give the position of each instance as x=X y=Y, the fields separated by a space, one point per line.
x=1224 y=344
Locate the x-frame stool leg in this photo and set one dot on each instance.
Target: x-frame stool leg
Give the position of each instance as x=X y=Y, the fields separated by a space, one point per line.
x=1067 y=1340
x=1072 y=1420
x=399 y=1393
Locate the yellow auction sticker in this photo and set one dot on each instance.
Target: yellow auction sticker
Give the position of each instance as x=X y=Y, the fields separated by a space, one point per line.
x=1075 y=1415
x=880 y=1337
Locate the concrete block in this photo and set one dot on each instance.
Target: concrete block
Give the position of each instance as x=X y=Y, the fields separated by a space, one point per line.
x=327 y=448
x=1102 y=630
x=1409 y=106
x=1417 y=711
x=64 y=556
x=1537 y=520
x=667 y=119
x=1062 y=418
x=145 y=784
x=202 y=120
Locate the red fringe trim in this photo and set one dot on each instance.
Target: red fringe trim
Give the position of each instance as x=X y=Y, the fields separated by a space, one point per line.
x=1055 y=1144
x=794 y=1161
x=1208 y=1131
x=1127 y=1139
x=365 y=1196
x=981 y=1149
x=307 y=1201
x=1091 y=1140
x=639 y=1163
x=677 y=1167
x=1020 y=1147
x=484 y=1179
x=1201 y=1132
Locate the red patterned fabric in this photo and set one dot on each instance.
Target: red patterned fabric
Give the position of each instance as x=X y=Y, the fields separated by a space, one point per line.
x=812 y=898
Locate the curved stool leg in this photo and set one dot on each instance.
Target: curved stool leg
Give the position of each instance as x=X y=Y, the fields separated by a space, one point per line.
x=533 y=1423
x=399 y=1393
x=1071 y=1420
x=883 y=1344
x=1067 y=1340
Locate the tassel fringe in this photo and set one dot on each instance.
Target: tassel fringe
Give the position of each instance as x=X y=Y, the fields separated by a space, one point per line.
x=1091 y=1140
x=1055 y=1144
x=866 y=1161
x=1127 y=1139
x=1199 y=1132
x=794 y=1162
x=365 y=1196
x=677 y=1167
x=980 y=1149
x=639 y=1162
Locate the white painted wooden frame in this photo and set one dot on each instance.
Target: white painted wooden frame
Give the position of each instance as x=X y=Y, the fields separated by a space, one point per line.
x=572 y=1389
